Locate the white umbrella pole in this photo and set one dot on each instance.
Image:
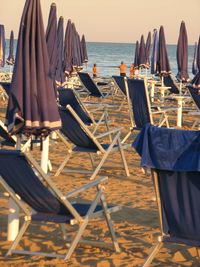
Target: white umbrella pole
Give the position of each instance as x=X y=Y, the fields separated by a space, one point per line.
x=45 y=154
x=13 y=217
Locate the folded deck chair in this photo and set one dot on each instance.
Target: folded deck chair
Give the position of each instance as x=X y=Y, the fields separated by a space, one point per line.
x=6 y=87
x=7 y=139
x=174 y=158
x=195 y=95
x=140 y=107
x=84 y=141
x=41 y=202
x=91 y=86
x=69 y=97
x=120 y=85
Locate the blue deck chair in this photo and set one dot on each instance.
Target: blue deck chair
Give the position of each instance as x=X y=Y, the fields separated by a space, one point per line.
x=6 y=87
x=174 y=158
x=195 y=95
x=120 y=85
x=140 y=108
x=169 y=82
x=91 y=86
x=84 y=141
x=41 y=202
x=69 y=97
x=7 y=139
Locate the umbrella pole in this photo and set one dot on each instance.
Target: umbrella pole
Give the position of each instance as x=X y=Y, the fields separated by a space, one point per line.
x=13 y=216
x=180 y=89
x=45 y=154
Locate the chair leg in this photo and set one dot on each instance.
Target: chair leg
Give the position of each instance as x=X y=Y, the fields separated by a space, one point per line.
x=62 y=165
x=127 y=136
x=110 y=224
x=123 y=158
x=153 y=253
x=18 y=238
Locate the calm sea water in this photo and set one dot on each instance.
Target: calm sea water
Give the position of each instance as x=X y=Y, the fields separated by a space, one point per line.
x=108 y=56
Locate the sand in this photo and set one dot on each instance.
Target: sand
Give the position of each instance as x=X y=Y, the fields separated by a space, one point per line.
x=136 y=224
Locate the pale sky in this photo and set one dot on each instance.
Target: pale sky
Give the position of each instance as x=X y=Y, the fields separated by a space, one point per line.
x=115 y=20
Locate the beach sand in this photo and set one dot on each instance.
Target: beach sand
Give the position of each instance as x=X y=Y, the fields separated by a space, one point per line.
x=136 y=224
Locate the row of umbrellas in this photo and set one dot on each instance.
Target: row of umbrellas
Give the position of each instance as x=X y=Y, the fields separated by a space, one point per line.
x=159 y=62
x=10 y=60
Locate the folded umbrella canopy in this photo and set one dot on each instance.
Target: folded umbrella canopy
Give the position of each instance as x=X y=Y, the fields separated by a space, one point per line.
x=154 y=51
x=68 y=67
x=148 y=49
x=196 y=79
x=32 y=106
x=2 y=46
x=84 y=49
x=182 y=54
x=59 y=63
x=163 y=67
x=194 y=61
x=142 y=53
x=136 y=58
x=10 y=60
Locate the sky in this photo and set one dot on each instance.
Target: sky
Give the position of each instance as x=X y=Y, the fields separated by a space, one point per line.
x=115 y=20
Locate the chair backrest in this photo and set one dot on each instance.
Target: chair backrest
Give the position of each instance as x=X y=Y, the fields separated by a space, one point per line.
x=20 y=177
x=6 y=86
x=89 y=84
x=119 y=80
x=68 y=97
x=173 y=155
x=139 y=97
x=8 y=139
x=168 y=81
x=194 y=92
x=73 y=130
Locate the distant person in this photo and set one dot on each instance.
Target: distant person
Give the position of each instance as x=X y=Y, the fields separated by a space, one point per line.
x=94 y=70
x=132 y=71
x=122 y=69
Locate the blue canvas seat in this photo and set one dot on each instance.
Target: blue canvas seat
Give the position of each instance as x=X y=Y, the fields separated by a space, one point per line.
x=174 y=159
x=140 y=108
x=91 y=86
x=41 y=201
x=83 y=140
x=169 y=82
x=195 y=96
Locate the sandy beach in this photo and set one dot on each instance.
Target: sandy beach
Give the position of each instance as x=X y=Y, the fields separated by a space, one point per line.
x=136 y=224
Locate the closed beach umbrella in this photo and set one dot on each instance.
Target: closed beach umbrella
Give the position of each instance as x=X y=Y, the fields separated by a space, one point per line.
x=60 y=42
x=196 y=79
x=136 y=58
x=148 y=49
x=154 y=51
x=76 y=55
x=84 y=49
x=163 y=67
x=51 y=39
x=2 y=45
x=182 y=54
x=68 y=48
x=32 y=106
x=142 y=53
x=10 y=60
x=194 y=61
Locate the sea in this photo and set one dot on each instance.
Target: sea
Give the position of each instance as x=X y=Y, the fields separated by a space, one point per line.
x=108 y=56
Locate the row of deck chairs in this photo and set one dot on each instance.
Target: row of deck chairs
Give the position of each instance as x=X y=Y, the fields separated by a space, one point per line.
x=175 y=175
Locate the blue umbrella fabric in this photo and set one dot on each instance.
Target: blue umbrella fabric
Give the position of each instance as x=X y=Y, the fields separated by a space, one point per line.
x=10 y=60
x=154 y=51
x=2 y=45
x=51 y=39
x=59 y=77
x=76 y=48
x=194 y=61
x=182 y=54
x=148 y=49
x=32 y=106
x=136 y=58
x=163 y=66
x=142 y=53
x=196 y=79
x=68 y=42
x=84 y=50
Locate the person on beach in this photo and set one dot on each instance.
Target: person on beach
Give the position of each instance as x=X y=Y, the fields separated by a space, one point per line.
x=132 y=71
x=122 y=69
x=94 y=71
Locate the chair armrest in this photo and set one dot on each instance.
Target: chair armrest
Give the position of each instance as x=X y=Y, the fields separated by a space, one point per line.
x=85 y=187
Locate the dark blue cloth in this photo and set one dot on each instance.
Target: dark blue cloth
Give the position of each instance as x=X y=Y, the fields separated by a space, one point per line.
x=194 y=92
x=154 y=52
x=89 y=84
x=142 y=53
x=84 y=49
x=196 y=79
x=168 y=81
x=2 y=45
x=136 y=57
x=168 y=149
x=10 y=60
x=120 y=82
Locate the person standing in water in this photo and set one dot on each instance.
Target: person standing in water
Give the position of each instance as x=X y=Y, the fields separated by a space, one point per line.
x=132 y=71
x=94 y=70
x=122 y=69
